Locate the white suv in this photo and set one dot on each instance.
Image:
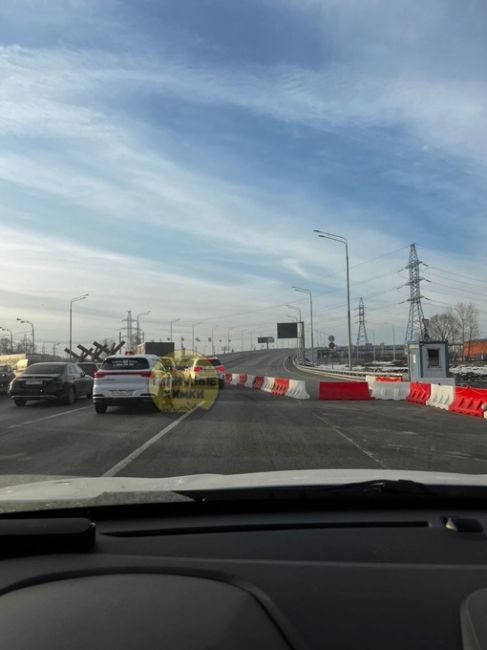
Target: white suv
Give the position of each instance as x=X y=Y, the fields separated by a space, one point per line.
x=123 y=379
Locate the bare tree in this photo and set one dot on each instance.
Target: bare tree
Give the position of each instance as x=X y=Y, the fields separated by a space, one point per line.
x=444 y=327
x=5 y=345
x=468 y=319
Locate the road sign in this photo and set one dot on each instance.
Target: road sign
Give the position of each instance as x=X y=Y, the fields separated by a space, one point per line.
x=331 y=338
x=287 y=330
x=265 y=339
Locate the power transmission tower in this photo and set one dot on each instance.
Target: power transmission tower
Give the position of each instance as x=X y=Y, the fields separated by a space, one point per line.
x=129 y=331
x=362 y=338
x=415 y=329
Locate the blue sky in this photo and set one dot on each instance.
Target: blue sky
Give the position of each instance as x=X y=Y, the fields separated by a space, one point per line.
x=175 y=156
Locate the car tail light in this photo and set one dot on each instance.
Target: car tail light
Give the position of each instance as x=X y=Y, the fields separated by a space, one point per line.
x=145 y=373
x=197 y=369
x=99 y=374
x=220 y=368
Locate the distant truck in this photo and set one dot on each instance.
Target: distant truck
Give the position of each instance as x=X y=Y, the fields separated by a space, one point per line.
x=155 y=347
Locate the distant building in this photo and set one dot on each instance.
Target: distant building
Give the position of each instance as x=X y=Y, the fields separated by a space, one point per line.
x=475 y=350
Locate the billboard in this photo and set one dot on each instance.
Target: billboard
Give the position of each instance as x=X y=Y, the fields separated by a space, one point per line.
x=287 y=330
x=265 y=339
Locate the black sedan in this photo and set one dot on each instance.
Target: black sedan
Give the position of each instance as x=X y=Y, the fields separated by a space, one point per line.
x=6 y=376
x=62 y=382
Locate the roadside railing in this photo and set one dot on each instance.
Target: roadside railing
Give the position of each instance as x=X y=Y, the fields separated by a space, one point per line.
x=344 y=374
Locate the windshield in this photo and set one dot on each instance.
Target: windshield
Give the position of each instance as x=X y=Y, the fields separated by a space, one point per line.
x=45 y=369
x=259 y=227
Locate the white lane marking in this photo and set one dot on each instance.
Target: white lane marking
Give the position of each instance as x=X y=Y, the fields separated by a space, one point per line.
x=137 y=452
x=352 y=442
x=48 y=417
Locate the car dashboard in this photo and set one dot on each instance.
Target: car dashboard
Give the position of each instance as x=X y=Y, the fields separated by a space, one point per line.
x=234 y=576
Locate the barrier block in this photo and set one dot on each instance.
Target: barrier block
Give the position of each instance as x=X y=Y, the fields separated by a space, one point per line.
x=390 y=390
x=419 y=393
x=228 y=377
x=235 y=378
x=297 y=389
x=268 y=384
x=469 y=401
x=370 y=379
x=350 y=390
x=441 y=396
x=250 y=381
x=242 y=379
x=281 y=386
x=258 y=382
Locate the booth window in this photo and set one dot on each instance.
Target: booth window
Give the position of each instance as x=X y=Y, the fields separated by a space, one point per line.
x=433 y=358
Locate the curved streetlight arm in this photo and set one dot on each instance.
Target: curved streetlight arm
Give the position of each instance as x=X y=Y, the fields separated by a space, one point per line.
x=330 y=235
x=77 y=299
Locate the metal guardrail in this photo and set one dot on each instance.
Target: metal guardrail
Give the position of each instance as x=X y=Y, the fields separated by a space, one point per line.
x=344 y=374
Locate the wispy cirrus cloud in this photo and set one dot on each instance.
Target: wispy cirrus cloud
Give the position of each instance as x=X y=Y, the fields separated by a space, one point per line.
x=216 y=169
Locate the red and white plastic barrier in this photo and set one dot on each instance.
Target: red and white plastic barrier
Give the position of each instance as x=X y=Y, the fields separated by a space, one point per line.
x=250 y=381
x=390 y=390
x=344 y=390
x=268 y=384
x=276 y=385
x=297 y=389
x=441 y=396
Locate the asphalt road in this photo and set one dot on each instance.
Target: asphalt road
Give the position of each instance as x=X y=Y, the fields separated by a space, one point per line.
x=245 y=431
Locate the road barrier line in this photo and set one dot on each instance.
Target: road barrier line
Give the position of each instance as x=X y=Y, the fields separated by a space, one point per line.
x=113 y=471
x=48 y=417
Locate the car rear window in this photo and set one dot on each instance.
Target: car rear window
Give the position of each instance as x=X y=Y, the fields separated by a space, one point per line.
x=126 y=363
x=215 y=362
x=44 y=369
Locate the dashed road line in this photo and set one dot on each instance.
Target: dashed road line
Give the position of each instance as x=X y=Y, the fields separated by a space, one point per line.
x=113 y=471
x=48 y=417
x=368 y=453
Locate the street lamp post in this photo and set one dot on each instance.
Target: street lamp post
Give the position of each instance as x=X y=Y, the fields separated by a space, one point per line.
x=297 y=325
x=83 y=297
x=171 y=322
x=28 y=322
x=242 y=340
x=343 y=240
x=308 y=291
x=301 y=333
x=6 y=329
x=192 y=331
x=139 y=337
x=213 y=339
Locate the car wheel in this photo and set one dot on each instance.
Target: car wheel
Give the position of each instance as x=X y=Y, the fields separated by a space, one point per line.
x=20 y=401
x=221 y=383
x=100 y=407
x=70 y=396
x=89 y=395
